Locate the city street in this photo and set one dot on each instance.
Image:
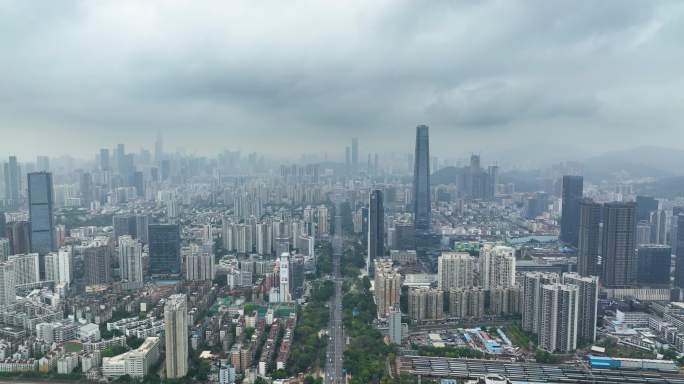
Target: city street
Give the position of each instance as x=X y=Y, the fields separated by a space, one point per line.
x=334 y=359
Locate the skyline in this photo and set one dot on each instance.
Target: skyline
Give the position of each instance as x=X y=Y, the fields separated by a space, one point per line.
x=212 y=76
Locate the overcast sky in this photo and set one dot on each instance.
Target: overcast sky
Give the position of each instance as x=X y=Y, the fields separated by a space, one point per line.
x=525 y=77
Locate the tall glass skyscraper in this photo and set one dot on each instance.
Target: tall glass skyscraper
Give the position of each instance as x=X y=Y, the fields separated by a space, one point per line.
x=12 y=181
x=164 y=249
x=376 y=229
x=40 y=212
x=573 y=187
x=421 y=181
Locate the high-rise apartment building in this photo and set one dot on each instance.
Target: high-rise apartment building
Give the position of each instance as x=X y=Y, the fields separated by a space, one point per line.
x=531 y=298
x=589 y=239
x=130 y=259
x=619 y=245
x=679 y=250
x=497 y=266
x=587 y=304
x=19 y=236
x=40 y=196
x=387 y=286
x=199 y=262
x=58 y=266
x=573 y=187
x=425 y=304
x=376 y=229
x=558 y=320
x=8 y=293
x=421 y=181
x=26 y=268
x=455 y=270
x=97 y=262
x=176 y=336
x=645 y=206
x=164 y=249
x=284 y=278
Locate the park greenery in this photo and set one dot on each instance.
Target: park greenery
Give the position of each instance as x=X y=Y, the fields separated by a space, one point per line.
x=324 y=265
x=469 y=353
x=308 y=349
x=366 y=354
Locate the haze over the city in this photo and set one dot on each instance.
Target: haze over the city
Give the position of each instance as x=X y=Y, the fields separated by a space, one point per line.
x=567 y=79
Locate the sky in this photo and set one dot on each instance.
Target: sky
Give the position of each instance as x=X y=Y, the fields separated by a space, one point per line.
x=540 y=78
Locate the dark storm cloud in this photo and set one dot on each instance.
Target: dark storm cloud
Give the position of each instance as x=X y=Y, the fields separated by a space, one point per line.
x=263 y=75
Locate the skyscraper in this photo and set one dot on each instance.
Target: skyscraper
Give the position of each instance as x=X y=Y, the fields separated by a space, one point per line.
x=284 y=277
x=654 y=265
x=572 y=194
x=421 y=181
x=376 y=229
x=40 y=212
x=96 y=259
x=355 y=155
x=19 y=236
x=588 y=247
x=58 y=266
x=619 y=245
x=12 y=181
x=645 y=206
x=176 y=336
x=104 y=160
x=164 y=249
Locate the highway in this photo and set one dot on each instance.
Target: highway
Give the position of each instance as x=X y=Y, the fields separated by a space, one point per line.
x=334 y=356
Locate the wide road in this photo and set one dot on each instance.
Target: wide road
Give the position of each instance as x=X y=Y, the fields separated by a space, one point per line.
x=335 y=352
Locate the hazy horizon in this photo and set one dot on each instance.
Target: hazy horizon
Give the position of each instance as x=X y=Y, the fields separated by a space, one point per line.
x=558 y=80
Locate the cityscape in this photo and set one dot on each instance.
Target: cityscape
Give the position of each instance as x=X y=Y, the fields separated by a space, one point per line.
x=195 y=223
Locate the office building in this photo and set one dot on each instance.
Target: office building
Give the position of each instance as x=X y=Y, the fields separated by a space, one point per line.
x=7 y=284
x=19 y=236
x=654 y=262
x=376 y=230
x=497 y=266
x=619 y=245
x=164 y=249
x=589 y=239
x=12 y=187
x=176 y=335
x=558 y=325
x=645 y=205
x=323 y=220
x=142 y=223
x=587 y=304
x=130 y=259
x=387 y=286
x=355 y=155
x=572 y=195
x=421 y=182
x=104 y=160
x=40 y=195
x=124 y=225
x=455 y=270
